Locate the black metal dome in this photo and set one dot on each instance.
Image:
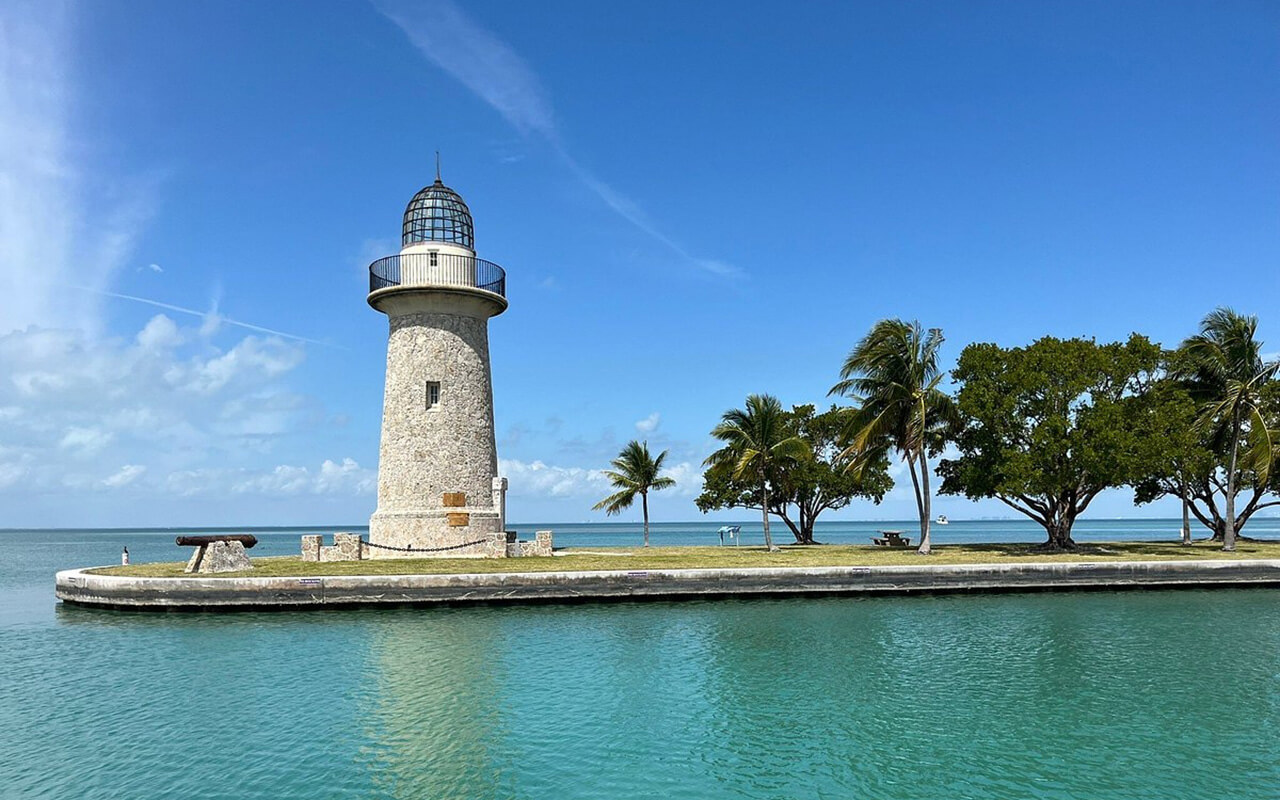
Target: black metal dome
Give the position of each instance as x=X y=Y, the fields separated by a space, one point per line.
x=438 y=214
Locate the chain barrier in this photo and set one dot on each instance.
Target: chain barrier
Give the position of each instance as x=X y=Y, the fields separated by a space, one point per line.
x=422 y=549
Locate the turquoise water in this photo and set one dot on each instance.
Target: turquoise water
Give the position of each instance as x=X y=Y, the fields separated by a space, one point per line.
x=1172 y=694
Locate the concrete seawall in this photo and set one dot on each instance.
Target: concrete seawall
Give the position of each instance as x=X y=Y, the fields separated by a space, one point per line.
x=203 y=593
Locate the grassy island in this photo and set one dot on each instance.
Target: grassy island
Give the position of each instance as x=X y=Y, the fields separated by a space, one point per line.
x=663 y=558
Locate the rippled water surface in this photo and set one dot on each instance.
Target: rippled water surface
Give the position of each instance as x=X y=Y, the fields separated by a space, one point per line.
x=1172 y=694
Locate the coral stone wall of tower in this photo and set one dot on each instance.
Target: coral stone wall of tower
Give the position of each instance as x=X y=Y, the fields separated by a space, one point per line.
x=438 y=484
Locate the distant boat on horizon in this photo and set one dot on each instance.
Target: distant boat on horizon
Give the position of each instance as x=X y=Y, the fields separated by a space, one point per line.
x=942 y=520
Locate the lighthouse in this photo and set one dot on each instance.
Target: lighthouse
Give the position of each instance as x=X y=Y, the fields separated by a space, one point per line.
x=439 y=493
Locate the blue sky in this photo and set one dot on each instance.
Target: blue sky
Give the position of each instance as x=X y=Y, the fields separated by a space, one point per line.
x=693 y=201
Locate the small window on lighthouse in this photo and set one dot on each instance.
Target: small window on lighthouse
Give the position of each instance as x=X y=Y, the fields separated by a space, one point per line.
x=435 y=254
x=433 y=393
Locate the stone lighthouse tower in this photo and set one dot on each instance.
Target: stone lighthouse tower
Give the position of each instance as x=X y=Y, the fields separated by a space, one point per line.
x=438 y=487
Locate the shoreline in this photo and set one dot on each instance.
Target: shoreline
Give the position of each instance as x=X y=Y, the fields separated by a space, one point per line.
x=81 y=587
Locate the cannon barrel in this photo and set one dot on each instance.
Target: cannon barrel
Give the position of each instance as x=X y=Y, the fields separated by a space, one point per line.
x=246 y=539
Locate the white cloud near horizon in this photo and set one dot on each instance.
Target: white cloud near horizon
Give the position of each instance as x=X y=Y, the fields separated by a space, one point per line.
x=161 y=414
x=536 y=479
x=346 y=477
x=495 y=72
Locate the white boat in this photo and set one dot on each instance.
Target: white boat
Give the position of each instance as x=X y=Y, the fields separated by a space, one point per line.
x=942 y=520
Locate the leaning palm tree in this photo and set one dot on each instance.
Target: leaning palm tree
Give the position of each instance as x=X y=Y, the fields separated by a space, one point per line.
x=634 y=472
x=757 y=440
x=1227 y=374
x=893 y=375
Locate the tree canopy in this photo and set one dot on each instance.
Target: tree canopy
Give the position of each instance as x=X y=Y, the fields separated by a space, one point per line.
x=1045 y=428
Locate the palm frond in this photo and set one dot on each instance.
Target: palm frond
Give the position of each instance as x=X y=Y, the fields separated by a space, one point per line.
x=616 y=503
x=1262 y=452
x=894 y=372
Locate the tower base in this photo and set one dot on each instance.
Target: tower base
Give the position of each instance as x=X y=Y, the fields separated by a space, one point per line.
x=437 y=533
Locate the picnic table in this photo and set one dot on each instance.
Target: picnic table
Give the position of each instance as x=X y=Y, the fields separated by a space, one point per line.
x=891 y=539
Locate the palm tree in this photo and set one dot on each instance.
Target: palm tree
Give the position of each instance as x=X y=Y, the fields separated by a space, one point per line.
x=1227 y=374
x=634 y=472
x=757 y=439
x=893 y=375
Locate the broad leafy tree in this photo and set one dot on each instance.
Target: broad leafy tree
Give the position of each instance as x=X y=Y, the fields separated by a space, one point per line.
x=1177 y=460
x=802 y=488
x=757 y=439
x=893 y=376
x=635 y=472
x=1047 y=427
x=1186 y=462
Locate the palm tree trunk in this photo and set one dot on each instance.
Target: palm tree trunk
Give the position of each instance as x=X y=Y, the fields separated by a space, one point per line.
x=644 y=502
x=915 y=483
x=926 y=507
x=764 y=511
x=1229 y=532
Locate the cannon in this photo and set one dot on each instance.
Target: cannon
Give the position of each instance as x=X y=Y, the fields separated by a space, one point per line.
x=246 y=539
x=223 y=552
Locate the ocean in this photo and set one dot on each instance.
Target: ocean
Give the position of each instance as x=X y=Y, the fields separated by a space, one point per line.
x=1162 y=694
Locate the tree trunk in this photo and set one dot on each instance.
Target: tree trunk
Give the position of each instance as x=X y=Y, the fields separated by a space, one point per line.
x=796 y=530
x=808 y=516
x=1059 y=531
x=1219 y=529
x=915 y=482
x=926 y=507
x=768 y=540
x=1186 y=516
x=644 y=502
x=1229 y=530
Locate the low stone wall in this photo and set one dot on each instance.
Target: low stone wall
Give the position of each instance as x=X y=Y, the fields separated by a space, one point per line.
x=79 y=586
x=540 y=546
x=346 y=547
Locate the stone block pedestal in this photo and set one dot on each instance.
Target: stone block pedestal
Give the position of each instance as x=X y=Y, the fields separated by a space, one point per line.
x=219 y=557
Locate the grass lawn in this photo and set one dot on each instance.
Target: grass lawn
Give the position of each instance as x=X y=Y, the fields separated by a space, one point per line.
x=722 y=557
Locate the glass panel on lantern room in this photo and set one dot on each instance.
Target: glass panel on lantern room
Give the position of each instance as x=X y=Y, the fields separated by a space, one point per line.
x=438 y=214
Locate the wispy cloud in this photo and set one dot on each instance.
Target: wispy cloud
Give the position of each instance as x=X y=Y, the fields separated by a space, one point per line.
x=35 y=174
x=649 y=424
x=479 y=60
x=212 y=320
x=632 y=213
x=47 y=238
x=494 y=71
